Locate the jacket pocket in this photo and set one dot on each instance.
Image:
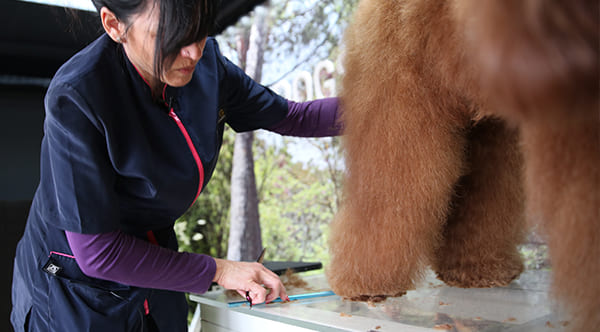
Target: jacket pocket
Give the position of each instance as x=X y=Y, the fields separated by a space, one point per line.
x=65 y=267
x=82 y=303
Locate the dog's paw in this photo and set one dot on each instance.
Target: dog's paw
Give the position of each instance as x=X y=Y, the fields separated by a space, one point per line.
x=369 y=286
x=481 y=275
x=372 y=298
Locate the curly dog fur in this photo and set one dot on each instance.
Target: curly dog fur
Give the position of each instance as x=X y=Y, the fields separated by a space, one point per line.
x=464 y=118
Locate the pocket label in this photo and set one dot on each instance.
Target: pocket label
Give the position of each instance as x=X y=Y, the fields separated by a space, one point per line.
x=52 y=268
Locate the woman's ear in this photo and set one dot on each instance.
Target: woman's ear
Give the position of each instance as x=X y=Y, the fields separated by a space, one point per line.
x=112 y=25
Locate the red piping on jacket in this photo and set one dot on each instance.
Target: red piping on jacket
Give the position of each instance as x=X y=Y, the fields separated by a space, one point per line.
x=192 y=149
x=186 y=135
x=151 y=237
x=61 y=254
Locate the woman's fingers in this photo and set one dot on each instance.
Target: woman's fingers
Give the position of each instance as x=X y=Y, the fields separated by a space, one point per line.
x=272 y=281
x=257 y=293
x=273 y=287
x=249 y=277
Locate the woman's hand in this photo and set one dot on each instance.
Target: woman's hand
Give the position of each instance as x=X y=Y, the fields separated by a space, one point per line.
x=246 y=276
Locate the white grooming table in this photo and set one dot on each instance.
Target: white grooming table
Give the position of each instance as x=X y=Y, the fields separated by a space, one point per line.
x=522 y=306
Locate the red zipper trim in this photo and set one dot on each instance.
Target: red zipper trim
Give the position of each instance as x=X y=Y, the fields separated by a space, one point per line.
x=184 y=131
x=192 y=149
x=146 y=307
x=190 y=144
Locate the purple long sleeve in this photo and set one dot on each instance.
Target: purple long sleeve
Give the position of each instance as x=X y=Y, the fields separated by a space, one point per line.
x=123 y=258
x=317 y=118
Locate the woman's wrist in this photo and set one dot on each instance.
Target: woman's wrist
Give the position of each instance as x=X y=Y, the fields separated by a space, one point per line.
x=218 y=270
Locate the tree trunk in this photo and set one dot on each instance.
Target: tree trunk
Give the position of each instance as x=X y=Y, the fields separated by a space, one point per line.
x=245 y=241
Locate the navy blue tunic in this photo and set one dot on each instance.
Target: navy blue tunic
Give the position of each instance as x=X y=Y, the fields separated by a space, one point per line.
x=114 y=158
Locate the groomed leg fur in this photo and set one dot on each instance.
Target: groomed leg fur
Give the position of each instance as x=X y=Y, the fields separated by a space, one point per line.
x=487 y=221
x=404 y=153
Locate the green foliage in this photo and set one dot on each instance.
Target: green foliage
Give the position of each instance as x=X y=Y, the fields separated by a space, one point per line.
x=534 y=251
x=535 y=256
x=297 y=202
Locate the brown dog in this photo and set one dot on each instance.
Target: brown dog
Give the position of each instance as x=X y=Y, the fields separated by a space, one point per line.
x=435 y=174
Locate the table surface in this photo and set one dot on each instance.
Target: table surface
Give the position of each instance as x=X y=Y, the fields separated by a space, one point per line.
x=524 y=305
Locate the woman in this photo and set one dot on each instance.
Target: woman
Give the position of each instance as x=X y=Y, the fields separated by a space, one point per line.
x=133 y=127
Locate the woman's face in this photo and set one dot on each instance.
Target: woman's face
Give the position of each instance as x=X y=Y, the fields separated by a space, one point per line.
x=139 y=44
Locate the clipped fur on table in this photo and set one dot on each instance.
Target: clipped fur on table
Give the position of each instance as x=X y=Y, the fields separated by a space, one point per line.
x=463 y=119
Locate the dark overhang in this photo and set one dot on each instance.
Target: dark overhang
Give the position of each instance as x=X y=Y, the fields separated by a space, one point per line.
x=36 y=39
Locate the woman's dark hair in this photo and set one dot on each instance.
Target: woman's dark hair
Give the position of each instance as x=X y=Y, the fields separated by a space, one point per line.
x=181 y=23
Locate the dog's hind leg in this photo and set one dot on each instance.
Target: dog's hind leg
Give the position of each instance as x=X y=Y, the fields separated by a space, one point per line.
x=487 y=222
